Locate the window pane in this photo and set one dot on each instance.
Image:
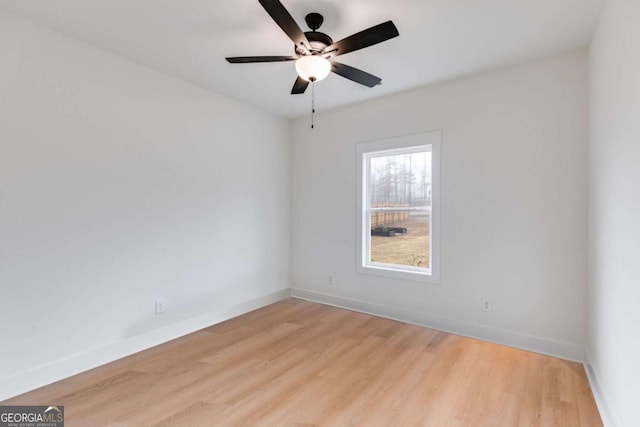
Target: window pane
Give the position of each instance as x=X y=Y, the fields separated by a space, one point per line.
x=400 y=238
x=401 y=180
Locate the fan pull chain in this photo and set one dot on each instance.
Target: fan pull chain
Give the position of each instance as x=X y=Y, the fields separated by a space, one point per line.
x=313 y=100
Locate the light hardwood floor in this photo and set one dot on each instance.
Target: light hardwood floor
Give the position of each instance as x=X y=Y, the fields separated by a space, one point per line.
x=297 y=363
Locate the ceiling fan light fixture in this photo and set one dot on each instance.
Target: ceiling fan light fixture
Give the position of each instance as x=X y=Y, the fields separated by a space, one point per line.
x=313 y=68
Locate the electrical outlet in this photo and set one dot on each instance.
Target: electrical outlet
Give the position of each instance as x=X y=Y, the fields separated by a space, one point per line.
x=330 y=279
x=487 y=305
x=161 y=307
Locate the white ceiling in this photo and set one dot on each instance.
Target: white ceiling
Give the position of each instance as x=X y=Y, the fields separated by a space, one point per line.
x=439 y=40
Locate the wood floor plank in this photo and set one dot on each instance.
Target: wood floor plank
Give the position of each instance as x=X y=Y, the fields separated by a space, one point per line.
x=181 y=390
x=258 y=379
x=297 y=363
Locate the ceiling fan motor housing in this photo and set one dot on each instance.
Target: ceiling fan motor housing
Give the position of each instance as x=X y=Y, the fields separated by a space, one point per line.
x=317 y=40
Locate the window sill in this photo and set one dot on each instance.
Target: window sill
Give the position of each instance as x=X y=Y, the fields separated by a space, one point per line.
x=390 y=272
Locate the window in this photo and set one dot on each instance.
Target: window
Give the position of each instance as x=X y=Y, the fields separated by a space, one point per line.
x=398 y=207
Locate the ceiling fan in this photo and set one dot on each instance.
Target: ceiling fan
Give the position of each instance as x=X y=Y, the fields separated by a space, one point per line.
x=314 y=51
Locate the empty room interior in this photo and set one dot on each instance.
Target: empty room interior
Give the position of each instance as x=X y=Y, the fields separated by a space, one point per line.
x=320 y=213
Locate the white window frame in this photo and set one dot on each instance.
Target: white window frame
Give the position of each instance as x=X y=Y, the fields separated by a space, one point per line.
x=398 y=145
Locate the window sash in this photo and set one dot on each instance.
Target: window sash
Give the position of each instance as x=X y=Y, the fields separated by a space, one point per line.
x=367 y=160
x=401 y=209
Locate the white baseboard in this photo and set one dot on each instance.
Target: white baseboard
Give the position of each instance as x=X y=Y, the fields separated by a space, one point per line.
x=60 y=369
x=603 y=407
x=560 y=349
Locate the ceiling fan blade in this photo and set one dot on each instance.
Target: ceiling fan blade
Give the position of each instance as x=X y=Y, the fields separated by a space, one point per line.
x=299 y=86
x=355 y=74
x=249 y=59
x=369 y=37
x=284 y=19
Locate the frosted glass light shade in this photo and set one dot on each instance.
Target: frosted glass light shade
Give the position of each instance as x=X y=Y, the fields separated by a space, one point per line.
x=313 y=67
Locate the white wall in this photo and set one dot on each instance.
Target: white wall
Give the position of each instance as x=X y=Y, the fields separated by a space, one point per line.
x=120 y=185
x=514 y=199
x=614 y=214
